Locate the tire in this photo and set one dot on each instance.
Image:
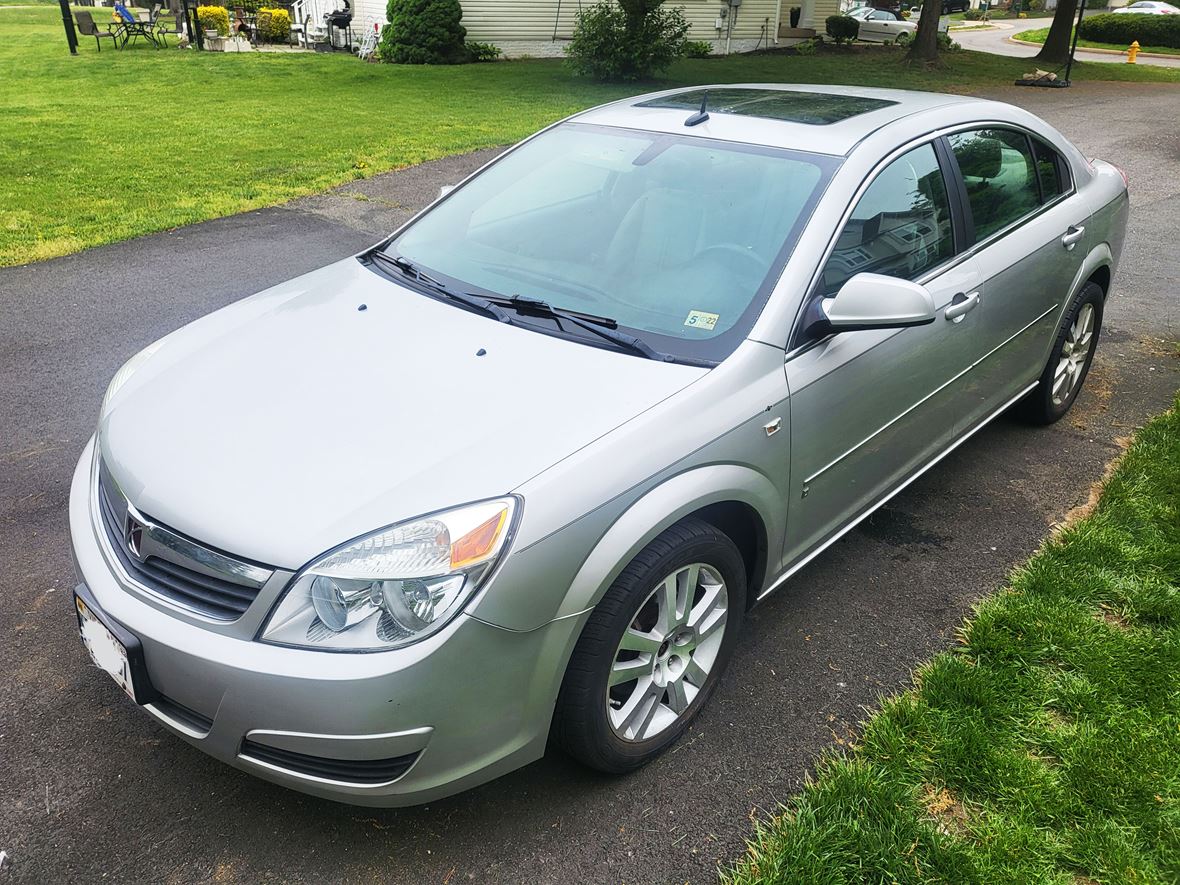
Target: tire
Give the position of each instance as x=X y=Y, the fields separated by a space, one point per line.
x=1047 y=402
x=618 y=729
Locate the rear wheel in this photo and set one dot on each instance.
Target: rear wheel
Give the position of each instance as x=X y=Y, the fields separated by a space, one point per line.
x=653 y=649
x=1073 y=351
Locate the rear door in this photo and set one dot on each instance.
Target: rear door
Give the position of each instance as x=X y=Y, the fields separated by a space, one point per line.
x=870 y=407
x=1029 y=229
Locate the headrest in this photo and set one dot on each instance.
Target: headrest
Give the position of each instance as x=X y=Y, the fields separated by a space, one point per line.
x=980 y=157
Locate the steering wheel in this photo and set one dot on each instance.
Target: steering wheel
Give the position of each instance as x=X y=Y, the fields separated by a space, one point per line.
x=753 y=262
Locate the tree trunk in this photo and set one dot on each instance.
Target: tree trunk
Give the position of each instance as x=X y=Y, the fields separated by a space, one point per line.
x=1056 y=48
x=925 y=45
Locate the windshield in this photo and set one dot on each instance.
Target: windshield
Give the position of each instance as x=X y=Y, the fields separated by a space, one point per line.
x=678 y=239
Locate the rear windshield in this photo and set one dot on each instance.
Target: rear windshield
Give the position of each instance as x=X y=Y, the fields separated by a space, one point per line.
x=679 y=239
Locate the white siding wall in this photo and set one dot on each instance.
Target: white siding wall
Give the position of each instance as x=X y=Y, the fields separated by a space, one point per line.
x=528 y=26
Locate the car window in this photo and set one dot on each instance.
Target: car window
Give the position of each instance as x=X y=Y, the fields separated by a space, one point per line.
x=1000 y=176
x=901 y=225
x=1050 y=171
x=679 y=239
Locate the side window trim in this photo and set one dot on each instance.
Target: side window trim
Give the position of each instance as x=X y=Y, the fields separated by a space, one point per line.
x=962 y=220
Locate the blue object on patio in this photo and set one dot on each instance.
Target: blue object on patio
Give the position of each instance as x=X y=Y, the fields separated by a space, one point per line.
x=124 y=13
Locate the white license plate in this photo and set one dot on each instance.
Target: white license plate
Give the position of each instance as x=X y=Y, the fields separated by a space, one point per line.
x=106 y=651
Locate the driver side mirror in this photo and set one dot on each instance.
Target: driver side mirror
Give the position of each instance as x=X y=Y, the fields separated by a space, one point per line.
x=874 y=301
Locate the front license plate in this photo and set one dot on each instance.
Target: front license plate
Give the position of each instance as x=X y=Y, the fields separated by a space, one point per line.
x=107 y=652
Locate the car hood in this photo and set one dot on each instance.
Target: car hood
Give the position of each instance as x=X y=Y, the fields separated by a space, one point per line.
x=340 y=402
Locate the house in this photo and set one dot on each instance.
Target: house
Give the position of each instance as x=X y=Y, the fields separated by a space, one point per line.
x=543 y=27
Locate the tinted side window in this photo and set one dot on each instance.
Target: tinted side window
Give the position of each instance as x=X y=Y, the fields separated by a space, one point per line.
x=1000 y=177
x=900 y=227
x=1050 y=170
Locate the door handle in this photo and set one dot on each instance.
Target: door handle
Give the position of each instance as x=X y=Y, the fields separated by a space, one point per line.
x=1072 y=237
x=961 y=305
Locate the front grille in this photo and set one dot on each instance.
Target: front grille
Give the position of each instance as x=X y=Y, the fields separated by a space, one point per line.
x=356 y=771
x=222 y=598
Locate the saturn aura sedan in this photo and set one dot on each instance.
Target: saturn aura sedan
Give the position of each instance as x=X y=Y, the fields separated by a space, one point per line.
x=515 y=474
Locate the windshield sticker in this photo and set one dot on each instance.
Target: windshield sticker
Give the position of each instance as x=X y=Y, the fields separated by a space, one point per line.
x=699 y=319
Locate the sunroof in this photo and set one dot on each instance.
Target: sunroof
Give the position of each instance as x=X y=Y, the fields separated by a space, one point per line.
x=816 y=108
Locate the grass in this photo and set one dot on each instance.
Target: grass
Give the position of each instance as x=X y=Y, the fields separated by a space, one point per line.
x=1039 y=35
x=105 y=146
x=1045 y=747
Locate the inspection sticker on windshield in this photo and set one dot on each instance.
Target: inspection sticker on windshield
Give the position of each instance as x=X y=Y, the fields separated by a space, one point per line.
x=698 y=319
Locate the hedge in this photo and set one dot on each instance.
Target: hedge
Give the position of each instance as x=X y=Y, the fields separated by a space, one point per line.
x=214 y=18
x=1123 y=29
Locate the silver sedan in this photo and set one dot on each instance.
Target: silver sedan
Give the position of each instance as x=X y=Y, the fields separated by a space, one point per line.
x=519 y=470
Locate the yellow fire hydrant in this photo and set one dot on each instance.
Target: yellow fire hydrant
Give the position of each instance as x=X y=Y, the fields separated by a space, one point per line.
x=1132 y=51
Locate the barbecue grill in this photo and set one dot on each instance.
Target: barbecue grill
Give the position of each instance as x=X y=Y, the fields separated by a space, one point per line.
x=339 y=22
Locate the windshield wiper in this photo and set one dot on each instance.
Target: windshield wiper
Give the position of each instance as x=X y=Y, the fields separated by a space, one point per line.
x=604 y=327
x=409 y=269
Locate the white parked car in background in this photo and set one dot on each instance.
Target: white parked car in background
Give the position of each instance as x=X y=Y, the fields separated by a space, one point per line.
x=1150 y=7
x=881 y=25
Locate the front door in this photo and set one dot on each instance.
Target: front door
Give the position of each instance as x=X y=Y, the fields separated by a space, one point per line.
x=869 y=407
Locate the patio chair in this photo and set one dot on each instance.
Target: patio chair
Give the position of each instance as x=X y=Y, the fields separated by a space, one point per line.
x=163 y=30
x=242 y=23
x=88 y=28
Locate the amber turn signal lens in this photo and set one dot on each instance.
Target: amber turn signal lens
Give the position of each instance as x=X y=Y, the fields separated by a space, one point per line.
x=478 y=543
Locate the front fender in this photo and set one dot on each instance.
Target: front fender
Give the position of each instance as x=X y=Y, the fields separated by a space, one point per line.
x=662 y=507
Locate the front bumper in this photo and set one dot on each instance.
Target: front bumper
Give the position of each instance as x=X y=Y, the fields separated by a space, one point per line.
x=466 y=705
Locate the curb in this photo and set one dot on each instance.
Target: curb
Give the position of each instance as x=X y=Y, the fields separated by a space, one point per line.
x=1103 y=51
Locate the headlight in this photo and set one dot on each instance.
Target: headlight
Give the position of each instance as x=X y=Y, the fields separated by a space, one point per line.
x=395 y=586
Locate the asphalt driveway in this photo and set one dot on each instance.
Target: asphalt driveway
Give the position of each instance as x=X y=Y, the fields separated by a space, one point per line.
x=91 y=789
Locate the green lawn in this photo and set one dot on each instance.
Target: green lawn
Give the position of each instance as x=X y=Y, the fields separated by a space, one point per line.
x=1039 y=35
x=1046 y=747
x=110 y=145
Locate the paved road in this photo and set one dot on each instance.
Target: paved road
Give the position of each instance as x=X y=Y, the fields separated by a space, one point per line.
x=91 y=789
x=995 y=40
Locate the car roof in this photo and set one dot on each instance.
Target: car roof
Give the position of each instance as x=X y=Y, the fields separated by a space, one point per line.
x=764 y=121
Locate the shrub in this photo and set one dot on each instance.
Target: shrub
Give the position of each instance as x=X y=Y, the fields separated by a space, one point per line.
x=274 y=25
x=973 y=15
x=1122 y=30
x=627 y=39
x=946 y=44
x=423 y=32
x=842 y=28
x=483 y=51
x=807 y=47
x=905 y=38
x=698 y=48
x=214 y=18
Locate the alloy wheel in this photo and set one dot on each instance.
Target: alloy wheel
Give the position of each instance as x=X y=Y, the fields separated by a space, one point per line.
x=1074 y=352
x=667 y=652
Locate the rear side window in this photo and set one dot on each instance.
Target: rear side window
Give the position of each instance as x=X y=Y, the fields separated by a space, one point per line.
x=901 y=225
x=1050 y=171
x=1000 y=176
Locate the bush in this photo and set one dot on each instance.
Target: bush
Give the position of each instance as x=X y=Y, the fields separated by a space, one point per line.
x=423 y=32
x=214 y=18
x=807 y=47
x=905 y=38
x=1122 y=30
x=974 y=15
x=946 y=44
x=483 y=51
x=841 y=28
x=698 y=48
x=627 y=39
x=274 y=25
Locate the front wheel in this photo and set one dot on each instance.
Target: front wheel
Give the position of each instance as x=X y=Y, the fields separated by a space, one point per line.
x=1073 y=351
x=653 y=649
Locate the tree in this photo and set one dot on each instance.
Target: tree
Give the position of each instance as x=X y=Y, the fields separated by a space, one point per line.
x=925 y=45
x=423 y=32
x=1056 y=48
x=627 y=40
